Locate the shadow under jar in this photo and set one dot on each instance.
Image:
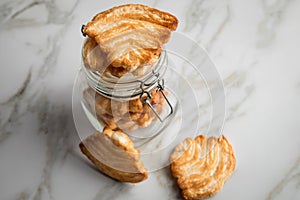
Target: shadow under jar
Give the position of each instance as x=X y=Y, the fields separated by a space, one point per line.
x=136 y=102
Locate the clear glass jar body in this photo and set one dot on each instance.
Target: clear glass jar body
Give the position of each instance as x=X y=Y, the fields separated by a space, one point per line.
x=136 y=103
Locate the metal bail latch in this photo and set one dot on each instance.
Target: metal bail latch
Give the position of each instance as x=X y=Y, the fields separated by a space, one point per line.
x=160 y=88
x=82 y=30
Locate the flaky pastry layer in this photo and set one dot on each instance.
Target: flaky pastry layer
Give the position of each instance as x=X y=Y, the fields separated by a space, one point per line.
x=202 y=165
x=113 y=153
x=131 y=35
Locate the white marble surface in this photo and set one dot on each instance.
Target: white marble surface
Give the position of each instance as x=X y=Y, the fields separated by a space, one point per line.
x=255 y=45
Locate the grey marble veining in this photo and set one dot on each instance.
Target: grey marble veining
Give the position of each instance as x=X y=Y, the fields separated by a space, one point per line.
x=12 y=11
x=199 y=14
x=13 y=102
x=284 y=188
x=274 y=12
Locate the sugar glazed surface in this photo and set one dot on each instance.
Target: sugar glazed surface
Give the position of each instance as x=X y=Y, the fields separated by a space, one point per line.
x=113 y=153
x=202 y=165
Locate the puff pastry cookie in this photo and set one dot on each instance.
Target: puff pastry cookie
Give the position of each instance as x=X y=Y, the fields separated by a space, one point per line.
x=202 y=165
x=113 y=153
x=131 y=35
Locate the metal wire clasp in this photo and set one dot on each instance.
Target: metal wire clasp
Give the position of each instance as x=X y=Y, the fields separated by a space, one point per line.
x=82 y=30
x=160 y=88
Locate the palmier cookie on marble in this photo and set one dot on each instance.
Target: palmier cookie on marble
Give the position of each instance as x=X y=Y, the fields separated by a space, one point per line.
x=202 y=165
x=113 y=153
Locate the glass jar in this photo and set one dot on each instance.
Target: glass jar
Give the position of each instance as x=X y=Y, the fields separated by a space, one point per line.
x=159 y=105
x=136 y=102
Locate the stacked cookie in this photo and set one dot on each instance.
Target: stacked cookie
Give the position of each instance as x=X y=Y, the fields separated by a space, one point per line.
x=127 y=39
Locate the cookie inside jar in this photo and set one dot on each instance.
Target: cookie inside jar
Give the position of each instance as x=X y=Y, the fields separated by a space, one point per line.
x=96 y=60
x=126 y=115
x=125 y=99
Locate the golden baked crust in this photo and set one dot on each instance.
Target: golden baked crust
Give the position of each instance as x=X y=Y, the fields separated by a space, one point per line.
x=113 y=153
x=134 y=12
x=131 y=35
x=202 y=165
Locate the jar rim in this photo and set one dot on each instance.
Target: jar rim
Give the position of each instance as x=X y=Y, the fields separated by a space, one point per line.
x=127 y=88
